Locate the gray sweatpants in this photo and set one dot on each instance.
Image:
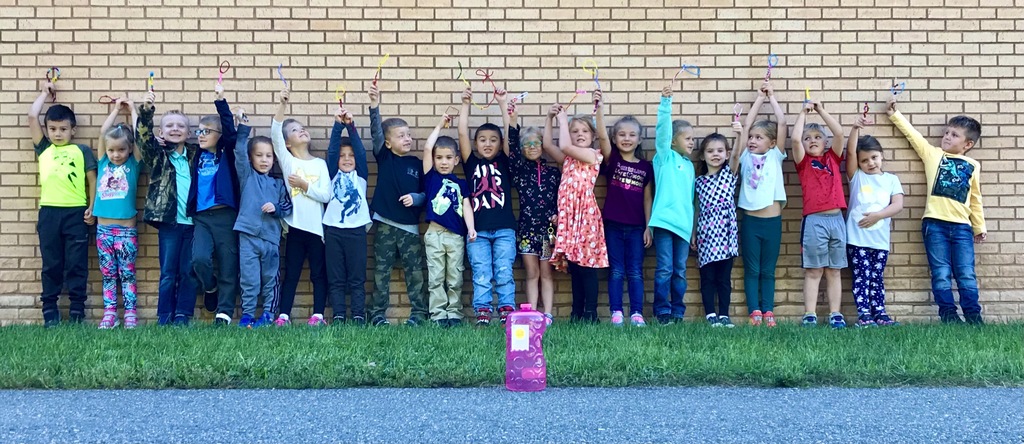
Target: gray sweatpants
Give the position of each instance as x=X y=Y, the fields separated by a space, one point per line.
x=259 y=262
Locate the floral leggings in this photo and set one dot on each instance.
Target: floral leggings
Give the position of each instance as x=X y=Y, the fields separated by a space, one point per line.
x=117 y=246
x=868 y=265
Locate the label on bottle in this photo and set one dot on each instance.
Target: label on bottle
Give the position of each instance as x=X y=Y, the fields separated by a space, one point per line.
x=520 y=337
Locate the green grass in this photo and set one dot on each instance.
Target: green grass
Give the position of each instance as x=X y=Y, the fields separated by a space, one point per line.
x=680 y=355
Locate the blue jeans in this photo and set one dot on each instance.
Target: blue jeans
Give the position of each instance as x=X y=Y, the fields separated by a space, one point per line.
x=177 y=291
x=950 y=249
x=626 y=258
x=670 y=273
x=491 y=256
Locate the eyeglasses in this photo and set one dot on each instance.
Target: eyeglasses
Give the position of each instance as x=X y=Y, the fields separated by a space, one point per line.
x=531 y=145
x=205 y=132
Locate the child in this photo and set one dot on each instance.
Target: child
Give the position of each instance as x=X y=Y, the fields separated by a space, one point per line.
x=717 y=234
x=397 y=202
x=66 y=171
x=627 y=211
x=762 y=197
x=488 y=171
x=672 y=214
x=346 y=219
x=213 y=207
x=875 y=196
x=170 y=180
x=309 y=184
x=823 y=231
x=954 y=218
x=117 y=239
x=450 y=218
x=537 y=184
x=580 y=233
x=263 y=201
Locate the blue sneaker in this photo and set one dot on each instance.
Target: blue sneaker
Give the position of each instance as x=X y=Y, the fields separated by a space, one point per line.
x=265 y=320
x=837 y=321
x=247 y=321
x=809 y=320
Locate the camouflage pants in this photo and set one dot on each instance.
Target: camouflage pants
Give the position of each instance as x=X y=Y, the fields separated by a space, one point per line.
x=389 y=245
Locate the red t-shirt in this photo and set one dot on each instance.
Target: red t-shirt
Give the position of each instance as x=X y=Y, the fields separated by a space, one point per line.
x=821 y=183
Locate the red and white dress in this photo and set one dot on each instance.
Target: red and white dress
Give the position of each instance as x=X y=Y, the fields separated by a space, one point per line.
x=580 y=237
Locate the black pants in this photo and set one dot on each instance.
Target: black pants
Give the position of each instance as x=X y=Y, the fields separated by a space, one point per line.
x=346 y=269
x=715 y=279
x=584 y=293
x=215 y=237
x=299 y=246
x=64 y=247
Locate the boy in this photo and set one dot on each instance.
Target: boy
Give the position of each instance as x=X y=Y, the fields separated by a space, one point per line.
x=823 y=230
x=954 y=219
x=213 y=207
x=168 y=159
x=67 y=176
x=450 y=219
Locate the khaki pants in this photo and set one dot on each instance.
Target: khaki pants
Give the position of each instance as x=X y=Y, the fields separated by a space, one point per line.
x=445 y=263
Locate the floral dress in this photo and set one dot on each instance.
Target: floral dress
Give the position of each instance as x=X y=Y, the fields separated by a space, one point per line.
x=580 y=237
x=537 y=183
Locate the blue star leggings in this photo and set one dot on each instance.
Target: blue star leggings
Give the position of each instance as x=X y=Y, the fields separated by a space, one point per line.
x=868 y=265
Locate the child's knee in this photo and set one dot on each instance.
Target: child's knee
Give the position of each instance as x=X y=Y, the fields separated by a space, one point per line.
x=813 y=273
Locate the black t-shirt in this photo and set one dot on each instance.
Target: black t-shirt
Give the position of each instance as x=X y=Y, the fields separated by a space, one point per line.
x=490 y=183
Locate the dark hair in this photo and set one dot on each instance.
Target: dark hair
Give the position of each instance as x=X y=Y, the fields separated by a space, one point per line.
x=971 y=127
x=446 y=142
x=713 y=137
x=867 y=143
x=60 y=113
x=121 y=131
x=213 y=121
x=345 y=141
x=259 y=139
x=489 y=127
x=629 y=119
x=390 y=124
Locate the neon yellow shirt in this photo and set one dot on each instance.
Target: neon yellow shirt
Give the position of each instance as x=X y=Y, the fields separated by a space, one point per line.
x=62 y=173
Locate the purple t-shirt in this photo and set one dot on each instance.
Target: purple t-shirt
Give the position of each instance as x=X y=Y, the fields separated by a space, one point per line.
x=624 y=201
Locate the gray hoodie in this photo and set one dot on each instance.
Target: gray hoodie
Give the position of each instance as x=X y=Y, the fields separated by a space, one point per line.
x=256 y=190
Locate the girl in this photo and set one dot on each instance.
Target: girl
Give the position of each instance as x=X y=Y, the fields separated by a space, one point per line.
x=672 y=215
x=117 y=239
x=762 y=196
x=627 y=211
x=579 y=243
x=491 y=255
x=309 y=185
x=537 y=184
x=875 y=197
x=717 y=233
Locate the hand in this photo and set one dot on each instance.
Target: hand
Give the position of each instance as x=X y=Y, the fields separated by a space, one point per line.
x=446 y=120
x=406 y=200
x=597 y=95
x=239 y=114
x=339 y=115
x=297 y=181
x=980 y=238
x=817 y=105
x=862 y=122
x=128 y=104
x=869 y=220
x=891 y=106
x=219 y=89
x=48 y=88
x=120 y=103
x=500 y=94
x=374 y=94
x=160 y=141
x=737 y=127
x=88 y=218
x=268 y=208
x=467 y=96
x=667 y=91
x=471 y=235
x=648 y=238
x=767 y=90
x=282 y=98
x=554 y=110
x=808 y=107
x=693 y=244
x=149 y=100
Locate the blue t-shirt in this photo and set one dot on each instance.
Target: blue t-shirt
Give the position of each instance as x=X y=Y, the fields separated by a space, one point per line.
x=206 y=192
x=116 y=186
x=445 y=193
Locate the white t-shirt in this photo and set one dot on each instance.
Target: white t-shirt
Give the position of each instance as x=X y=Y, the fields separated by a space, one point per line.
x=761 y=180
x=870 y=193
x=308 y=206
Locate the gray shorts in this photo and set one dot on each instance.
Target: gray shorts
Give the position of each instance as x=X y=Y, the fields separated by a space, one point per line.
x=823 y=241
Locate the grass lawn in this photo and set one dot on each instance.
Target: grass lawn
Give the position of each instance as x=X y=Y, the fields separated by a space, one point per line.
x=578 y=355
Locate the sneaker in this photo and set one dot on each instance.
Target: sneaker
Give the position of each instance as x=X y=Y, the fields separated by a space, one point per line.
x=282 y=320
x=222 y=319
x=769 y=319
x=724 y=321
x=637 y=320
x=809 y=320
x=51 y=318
x=974 y=319
x=131 y=319
x=548 y=319
x=503 y=313
x=713 y=320
x=664 y=319
x=210 y=299
x=883 y=320
x=76 y=317
x=836 y=321
x=180 y=321
x=442 y=323
x=109 y=319
x=951 y=318
x=338 y=321
x=266 y=320
x=452 y=323
x=483 y=317
x=865 y=321
x=358 y=320
x=247 y=321
x=317 y=320
x=413 y=322
x=617 y=318
x=756 y=317
x=380 y=321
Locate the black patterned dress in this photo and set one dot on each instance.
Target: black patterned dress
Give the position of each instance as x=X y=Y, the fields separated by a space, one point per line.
x=717 y=231
x=537 y=184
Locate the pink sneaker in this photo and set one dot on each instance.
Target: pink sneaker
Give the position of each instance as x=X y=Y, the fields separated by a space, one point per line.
x=131 y=319
x=548 y=319
x=316 y=320
x=769 y=319
x=756 y=318
x=637 y=320
x=282 y=321
x=109 y=319
x=617 y=318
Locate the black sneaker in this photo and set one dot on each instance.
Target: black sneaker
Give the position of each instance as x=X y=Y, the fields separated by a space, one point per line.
x=664 y=319
x=76 y=317
x=414 y=322
x=951 y=318
x=220 y=322
x=440 y=323
x=724 y=321
x=452 y=323
x=713 y=320
x=338 y=320
x=210 y=300
x=358 y=320
x=51 y=318
x=380 y=321
x=974 y=319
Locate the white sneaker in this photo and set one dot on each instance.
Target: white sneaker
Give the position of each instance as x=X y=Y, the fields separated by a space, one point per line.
x=637 y=320
x=617 y=318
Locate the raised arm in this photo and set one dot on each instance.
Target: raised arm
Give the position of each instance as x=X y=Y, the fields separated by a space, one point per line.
x=602 y=131
x=101 y=143
x=144 y=137
x=583 y=154
x=33 y=113
x=780 y=116
x=227 y=122
x=851 y=147
x=798 y=133
x=738 y=147
x=834 y=126
x=242 y=166
x=376 y=130
x=663 y=127
x=428 y=148
x=464 y=142
x=358 y=149
x=500 y=94
x=917 y=141
x=548 y=144
x=334 y=145
x=755 y=110
x=284 y=157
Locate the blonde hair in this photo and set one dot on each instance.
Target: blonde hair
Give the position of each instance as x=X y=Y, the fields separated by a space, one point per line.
x=771 y=129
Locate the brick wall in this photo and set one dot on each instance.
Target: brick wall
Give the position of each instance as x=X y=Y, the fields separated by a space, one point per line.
x=956 y=57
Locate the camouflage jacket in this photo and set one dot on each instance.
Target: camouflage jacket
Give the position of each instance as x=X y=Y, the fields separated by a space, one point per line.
x=161 y=199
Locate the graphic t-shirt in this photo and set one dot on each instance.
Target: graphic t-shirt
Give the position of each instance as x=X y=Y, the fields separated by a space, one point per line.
x=206 y=172
x=821 y=182
x=624 y=201
x=491 y=196
x=444 y=205
x=62 y=173
x=116 y=189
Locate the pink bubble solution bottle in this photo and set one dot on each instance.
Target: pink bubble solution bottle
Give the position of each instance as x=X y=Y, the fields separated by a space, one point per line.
x=526 y=369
